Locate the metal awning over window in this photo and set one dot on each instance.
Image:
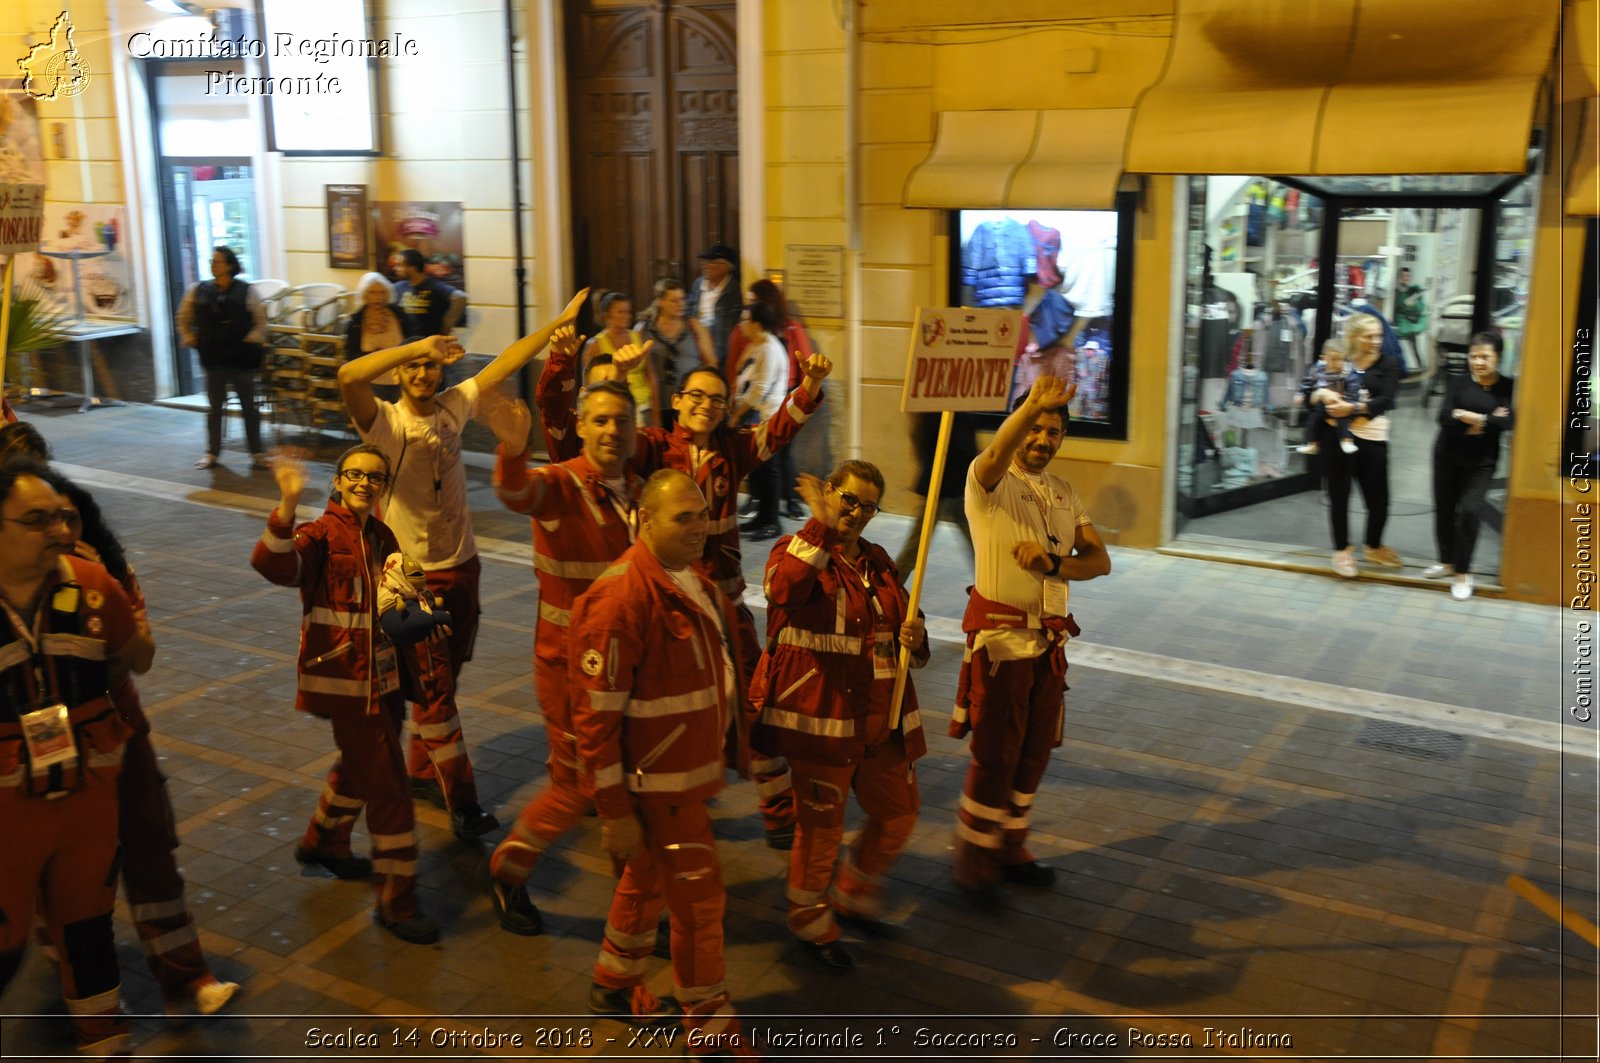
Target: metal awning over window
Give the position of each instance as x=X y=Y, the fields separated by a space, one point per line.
x=1345 y=87
x=1064 y=159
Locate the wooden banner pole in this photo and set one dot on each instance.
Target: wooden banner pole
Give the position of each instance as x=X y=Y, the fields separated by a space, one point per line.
x=5 y=319
x=930 y=521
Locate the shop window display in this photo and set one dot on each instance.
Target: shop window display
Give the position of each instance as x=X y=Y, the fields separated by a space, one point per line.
x=1252 y=294
x=1063 y=270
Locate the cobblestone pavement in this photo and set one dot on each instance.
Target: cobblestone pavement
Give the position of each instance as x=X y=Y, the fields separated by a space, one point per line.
x=1285 y=812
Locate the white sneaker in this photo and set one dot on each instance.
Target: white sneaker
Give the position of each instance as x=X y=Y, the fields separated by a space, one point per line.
x=1461 y=589
x=207 y=998
x=1439 y=571
x=1345 y=564
x=1308 y=448
x=1348 y=446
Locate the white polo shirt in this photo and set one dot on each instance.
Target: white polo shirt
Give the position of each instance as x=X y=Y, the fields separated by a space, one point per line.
x=427 y=505
x=1023 y=507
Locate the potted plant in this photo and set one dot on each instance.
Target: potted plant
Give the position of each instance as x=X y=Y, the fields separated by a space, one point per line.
x=35 y=324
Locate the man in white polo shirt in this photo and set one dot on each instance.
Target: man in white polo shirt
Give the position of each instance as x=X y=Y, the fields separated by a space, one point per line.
x=426 y=508
x=1031 y=535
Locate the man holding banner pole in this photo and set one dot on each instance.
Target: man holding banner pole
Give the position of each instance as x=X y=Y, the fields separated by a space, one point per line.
x=1032 y=537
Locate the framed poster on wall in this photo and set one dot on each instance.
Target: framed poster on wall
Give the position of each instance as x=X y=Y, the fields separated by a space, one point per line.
x=433 y=230
x=348 y=225
x=85 y=239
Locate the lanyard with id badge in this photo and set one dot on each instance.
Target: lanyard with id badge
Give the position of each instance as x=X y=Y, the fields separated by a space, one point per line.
x=46 y=730
x=885 y=650
x=1053 y=601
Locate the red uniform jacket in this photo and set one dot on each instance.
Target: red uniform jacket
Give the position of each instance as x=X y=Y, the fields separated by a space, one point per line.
x=824 y=685
x=337 y=566
x=578 y=532
x=555 y=394
x=84 y=620
x=652 y=691
x=728 y=457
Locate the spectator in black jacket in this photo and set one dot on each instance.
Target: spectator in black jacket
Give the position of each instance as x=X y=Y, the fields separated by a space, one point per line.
x=1476 y=409
x=223 y=319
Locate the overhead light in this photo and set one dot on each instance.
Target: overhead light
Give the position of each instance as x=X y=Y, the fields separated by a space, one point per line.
x=176 y=7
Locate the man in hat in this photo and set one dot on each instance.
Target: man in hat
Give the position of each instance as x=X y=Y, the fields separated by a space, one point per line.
x=715 y=297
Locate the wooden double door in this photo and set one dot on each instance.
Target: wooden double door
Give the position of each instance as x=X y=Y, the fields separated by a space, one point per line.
x=655 y=138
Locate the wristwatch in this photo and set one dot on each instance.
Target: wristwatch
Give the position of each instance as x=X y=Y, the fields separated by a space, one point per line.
x=1055 y=564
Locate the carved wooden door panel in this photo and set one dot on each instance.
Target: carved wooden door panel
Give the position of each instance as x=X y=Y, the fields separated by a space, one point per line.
x=654 y=132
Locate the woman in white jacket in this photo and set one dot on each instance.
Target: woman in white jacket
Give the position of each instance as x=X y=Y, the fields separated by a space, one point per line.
x=763 y=382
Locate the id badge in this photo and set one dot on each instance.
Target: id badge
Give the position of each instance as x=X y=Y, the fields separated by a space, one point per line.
x=48 y=732
x=387 y=666
x=1055 y=597
x=884 y=652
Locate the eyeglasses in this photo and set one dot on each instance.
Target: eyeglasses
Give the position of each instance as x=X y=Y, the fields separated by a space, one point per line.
x=69 y=518
x=851 y=503
x=379 y=480
x=698 y=397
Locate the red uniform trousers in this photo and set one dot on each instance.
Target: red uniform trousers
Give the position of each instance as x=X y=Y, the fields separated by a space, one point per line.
x=774 y=782
x=1016 y=708
x=438 y=751
x=885 y=783
x=371 y=773
x=150 y=878
x=676 y=866
x=561 y=804
x=63 y=853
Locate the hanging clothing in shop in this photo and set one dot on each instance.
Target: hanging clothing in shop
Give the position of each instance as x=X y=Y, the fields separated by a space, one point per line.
x=1255 y=226
x=1089 y=275
x=1047 y=253
x=1247 y=386
x=997 y=261
x=1219 y=309
x=1094 y=371
x=1051 y=319
x=1280 y=339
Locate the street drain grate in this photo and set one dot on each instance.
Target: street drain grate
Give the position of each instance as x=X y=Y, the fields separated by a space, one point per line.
x=1424 y=743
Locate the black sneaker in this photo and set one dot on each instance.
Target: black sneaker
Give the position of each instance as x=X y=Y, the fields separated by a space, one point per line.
x=794 y=511
x=427 y=789
x=349 y=866
x=1032 y=873
x=514 y=908
x=866 y=924
x=417 y=929
x=663 y=948
x=831 y=954
x=758 y=529
x=781 y=838
x=636 y=1005
x=471 y=821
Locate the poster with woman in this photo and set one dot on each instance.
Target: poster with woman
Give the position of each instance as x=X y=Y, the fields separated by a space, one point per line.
x=434 y=229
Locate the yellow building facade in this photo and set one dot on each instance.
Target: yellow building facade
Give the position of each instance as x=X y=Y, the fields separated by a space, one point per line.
x=843 y=109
